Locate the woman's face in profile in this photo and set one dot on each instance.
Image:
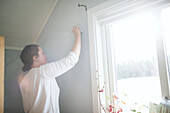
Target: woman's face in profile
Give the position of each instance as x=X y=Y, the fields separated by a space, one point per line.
x=41 y=57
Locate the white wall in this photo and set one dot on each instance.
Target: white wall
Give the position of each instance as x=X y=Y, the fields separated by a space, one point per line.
x=13 y=99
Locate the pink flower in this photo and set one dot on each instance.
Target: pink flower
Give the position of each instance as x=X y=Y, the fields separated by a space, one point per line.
x=120 y=110
x=116 y=97
x=101 y=90
x=110 y=108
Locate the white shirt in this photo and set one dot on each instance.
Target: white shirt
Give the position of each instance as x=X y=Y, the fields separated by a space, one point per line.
x=39 y=89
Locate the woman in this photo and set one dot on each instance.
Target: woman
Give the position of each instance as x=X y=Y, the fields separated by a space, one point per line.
x=40 y=92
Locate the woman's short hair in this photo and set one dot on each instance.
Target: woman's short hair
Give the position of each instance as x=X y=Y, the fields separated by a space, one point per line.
x=27 y=56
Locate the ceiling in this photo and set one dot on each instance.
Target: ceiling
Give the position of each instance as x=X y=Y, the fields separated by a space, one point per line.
x=21 y=21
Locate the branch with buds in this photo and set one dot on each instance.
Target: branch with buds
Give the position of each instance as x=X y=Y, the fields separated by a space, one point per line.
x=111 y=108
x=116 y=107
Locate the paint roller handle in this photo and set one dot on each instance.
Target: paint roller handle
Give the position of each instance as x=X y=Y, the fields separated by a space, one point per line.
x=77 y=43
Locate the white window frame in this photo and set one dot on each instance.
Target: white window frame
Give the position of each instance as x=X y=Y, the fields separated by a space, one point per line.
x=110 y=11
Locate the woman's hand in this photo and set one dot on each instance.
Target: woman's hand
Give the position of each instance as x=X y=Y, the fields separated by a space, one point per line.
x=77 y=44
x=76 y=32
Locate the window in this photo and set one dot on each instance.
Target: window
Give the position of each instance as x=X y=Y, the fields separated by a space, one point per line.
x=129 y=52
x=134 y=49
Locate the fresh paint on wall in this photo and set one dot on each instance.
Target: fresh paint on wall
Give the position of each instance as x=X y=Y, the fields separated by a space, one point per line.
x=57 y=40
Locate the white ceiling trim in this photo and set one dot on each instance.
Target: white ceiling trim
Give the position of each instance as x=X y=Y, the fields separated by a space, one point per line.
x=45 y=21
x=13 y=48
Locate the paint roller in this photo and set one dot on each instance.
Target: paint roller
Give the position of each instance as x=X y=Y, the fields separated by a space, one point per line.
x=71 y=33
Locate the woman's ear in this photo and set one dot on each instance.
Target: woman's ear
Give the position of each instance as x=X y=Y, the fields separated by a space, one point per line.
x=35 y=58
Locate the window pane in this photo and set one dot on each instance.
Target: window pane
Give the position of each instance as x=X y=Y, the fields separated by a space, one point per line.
x=135 y=55
x=166 y=25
